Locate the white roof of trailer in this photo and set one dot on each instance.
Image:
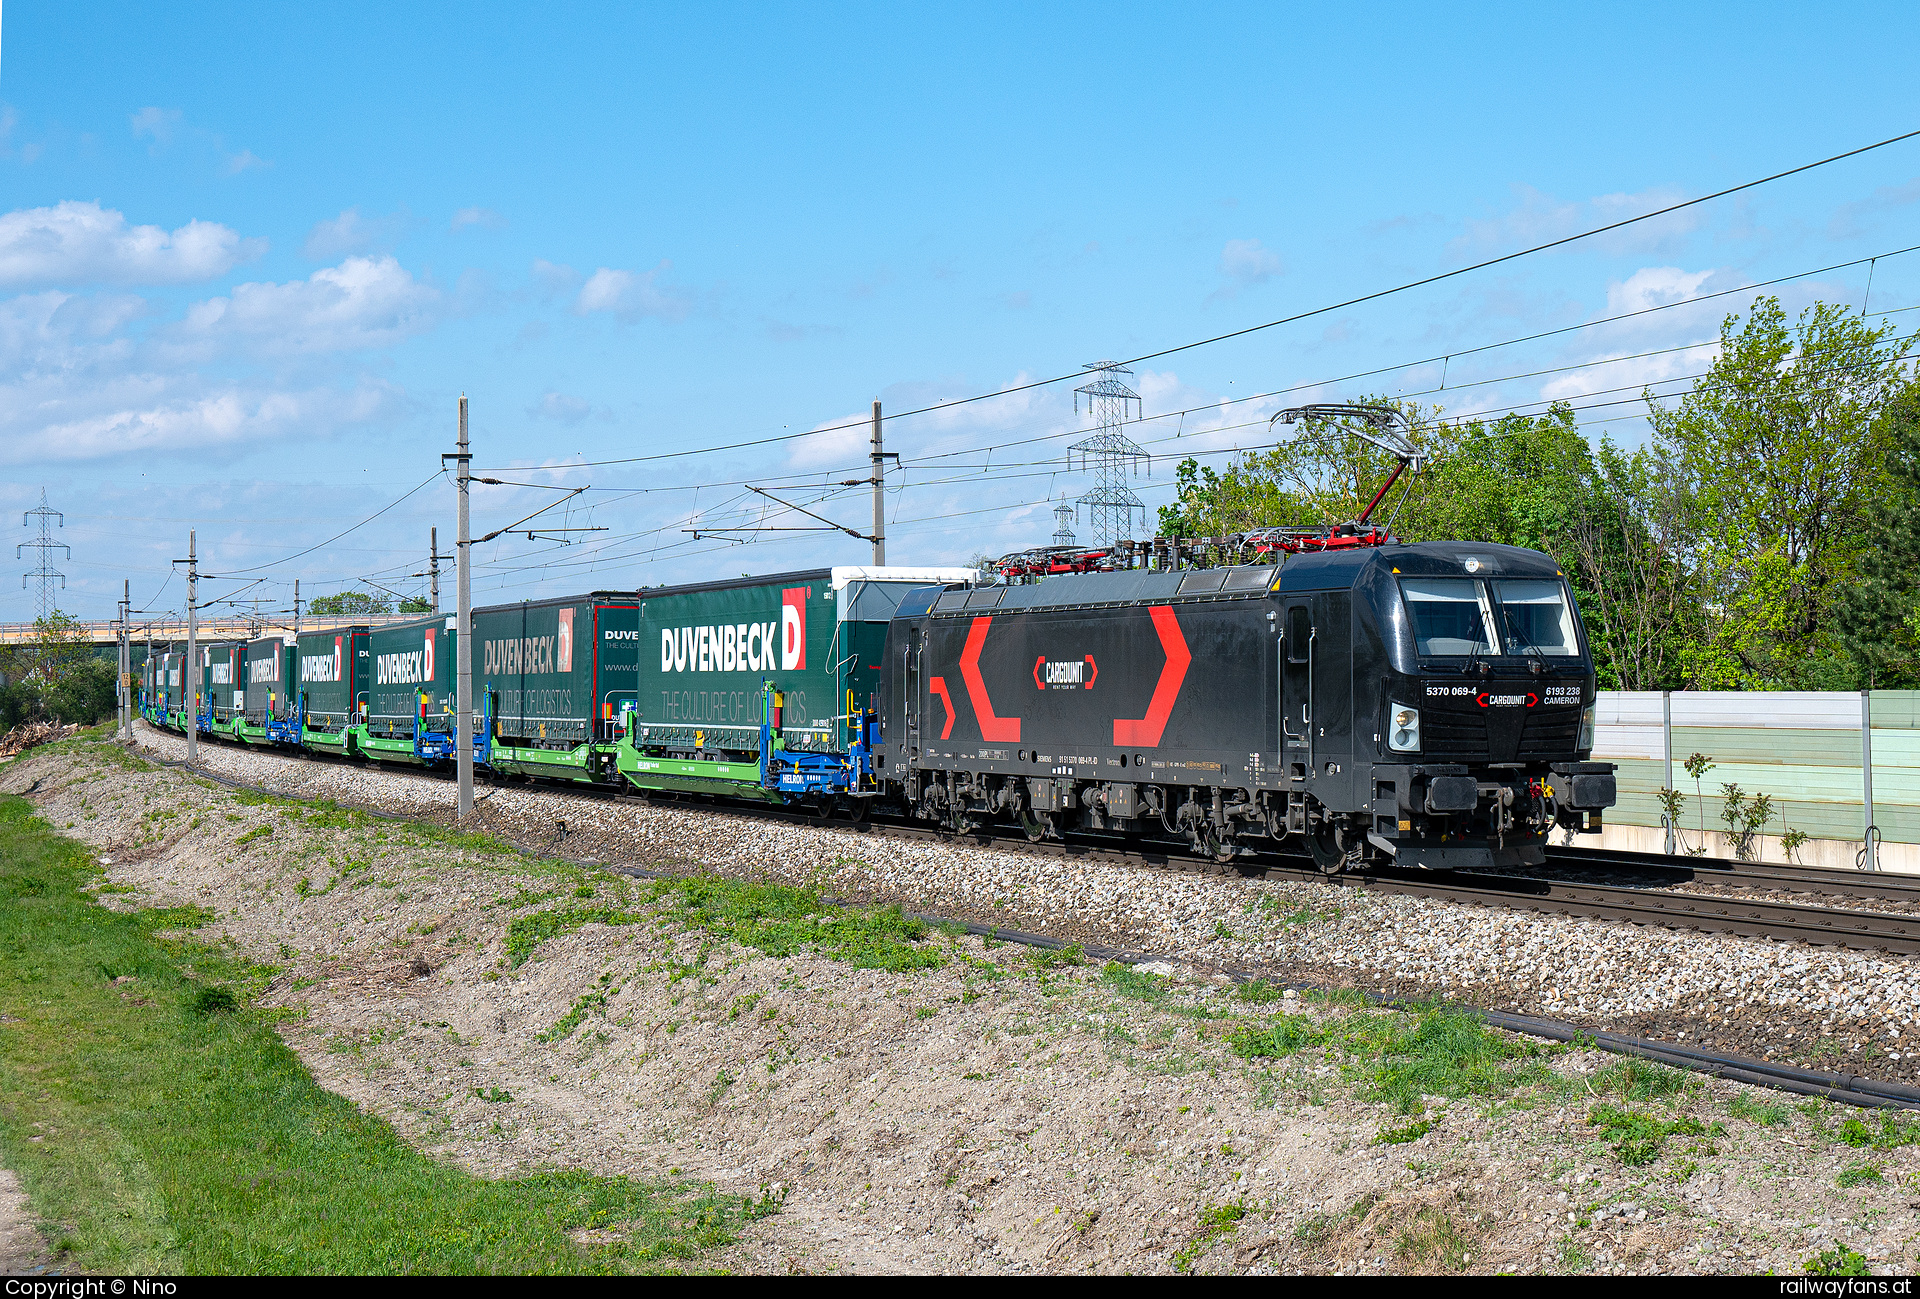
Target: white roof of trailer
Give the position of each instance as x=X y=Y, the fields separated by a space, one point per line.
x=920 y=576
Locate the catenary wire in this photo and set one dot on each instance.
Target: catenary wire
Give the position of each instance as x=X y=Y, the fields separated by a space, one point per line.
x=1297 y=316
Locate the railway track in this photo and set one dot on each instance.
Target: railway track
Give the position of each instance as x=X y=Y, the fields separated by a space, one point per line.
x=1654 y=903
x=1766 y=875
x=1575 y=899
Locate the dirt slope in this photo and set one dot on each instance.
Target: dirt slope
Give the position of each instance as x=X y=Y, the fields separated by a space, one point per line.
x=982 y=1116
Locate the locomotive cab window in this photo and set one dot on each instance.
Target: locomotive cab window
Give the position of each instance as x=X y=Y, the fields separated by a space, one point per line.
x=1299 y=633
x=1451 y=615
x=1535 y=617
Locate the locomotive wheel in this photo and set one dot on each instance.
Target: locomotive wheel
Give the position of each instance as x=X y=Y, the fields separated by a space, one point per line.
x=1035 y=825
x=1224 y=848
x=1324 y=844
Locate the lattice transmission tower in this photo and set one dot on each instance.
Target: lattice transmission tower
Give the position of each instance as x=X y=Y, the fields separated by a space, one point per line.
x=44 y=545
x=1109 y=454
x=1063 y=525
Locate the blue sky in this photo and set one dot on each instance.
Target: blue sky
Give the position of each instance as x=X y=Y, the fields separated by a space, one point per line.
x=249 y=257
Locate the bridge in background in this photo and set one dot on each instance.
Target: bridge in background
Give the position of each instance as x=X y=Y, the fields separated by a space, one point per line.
x=106 y=631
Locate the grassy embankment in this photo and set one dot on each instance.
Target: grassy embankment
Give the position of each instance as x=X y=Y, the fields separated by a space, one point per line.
x=153 y=1114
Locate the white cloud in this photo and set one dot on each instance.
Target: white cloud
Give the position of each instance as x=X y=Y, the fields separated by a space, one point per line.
x=1539 y=218
x=363 y=302
x=1654 y=286
x=484 y=217
x=561 y=408
x=1245 y=262
x=629 y=295
x=160 y=123
x=1859 y=217
x=167 y=126
x=84 y=243
x=143 y=415
x=352 y=232
x=553 y=279
x=74 y=385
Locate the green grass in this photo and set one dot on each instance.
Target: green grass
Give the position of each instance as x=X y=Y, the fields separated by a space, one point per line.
x=783 y=921
x=1890 y=1132
x=773 y=918
x=1638 y=1139
x=1768 y=1115
x=1838 y=1261
x=1215 y=1221
x=1634 y=1079
x=1400 y=1136
x=1861 y=1175
x=179 y=1134
x=1137 y=984
x=1398 y=1058
x=526 y=933
x=1433 y=1242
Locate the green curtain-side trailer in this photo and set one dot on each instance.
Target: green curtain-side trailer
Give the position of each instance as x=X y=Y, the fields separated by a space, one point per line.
x=332 y=685
x=707 y=652
x=410 y=690
x=554 y=679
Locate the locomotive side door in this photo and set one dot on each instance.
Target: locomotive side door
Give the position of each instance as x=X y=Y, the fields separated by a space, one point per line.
x=1334 y=776
x=1296 y=685
x=910 y=693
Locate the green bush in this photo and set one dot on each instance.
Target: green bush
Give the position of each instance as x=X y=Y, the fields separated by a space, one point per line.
x=1838 y=1261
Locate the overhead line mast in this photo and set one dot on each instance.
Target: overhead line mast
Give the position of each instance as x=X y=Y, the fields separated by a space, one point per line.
x=44 y=545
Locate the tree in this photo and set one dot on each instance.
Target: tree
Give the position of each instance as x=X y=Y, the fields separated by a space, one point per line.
x=1780 y=448
x=1633 y=556
x=415 y=604
x=1316 y=475
x=1878 y=614
x=59 y=646
x=57 y=675
x=347 y=604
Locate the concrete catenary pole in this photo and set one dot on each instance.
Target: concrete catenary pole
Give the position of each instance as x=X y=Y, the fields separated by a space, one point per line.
x=190 y=670
x=125 y=728
x=1870 y=834
x=463 y=629
x=1666 y=734
x=296 y=706
x=879 y=495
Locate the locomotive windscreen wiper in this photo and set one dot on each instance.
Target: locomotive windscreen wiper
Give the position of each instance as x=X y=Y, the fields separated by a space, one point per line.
x=1520 y=641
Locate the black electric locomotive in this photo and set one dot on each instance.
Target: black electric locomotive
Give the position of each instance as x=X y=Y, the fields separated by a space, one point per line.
x=1424 y=705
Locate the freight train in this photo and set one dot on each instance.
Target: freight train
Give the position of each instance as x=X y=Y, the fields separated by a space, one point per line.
x=1369 y=702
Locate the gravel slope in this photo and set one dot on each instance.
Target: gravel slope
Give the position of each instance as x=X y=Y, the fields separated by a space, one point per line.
x=961 y=1119
x=1820 y=1007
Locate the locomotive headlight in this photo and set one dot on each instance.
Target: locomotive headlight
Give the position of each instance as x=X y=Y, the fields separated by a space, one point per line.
x=1585 y=743
x=1403 y=736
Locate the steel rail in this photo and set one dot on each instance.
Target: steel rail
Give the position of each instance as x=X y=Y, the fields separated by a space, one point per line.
x=1775 y=875
x=1747 y=917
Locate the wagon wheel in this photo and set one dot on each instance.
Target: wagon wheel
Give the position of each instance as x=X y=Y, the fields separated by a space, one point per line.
x=1328 y=855
x=857 y=810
